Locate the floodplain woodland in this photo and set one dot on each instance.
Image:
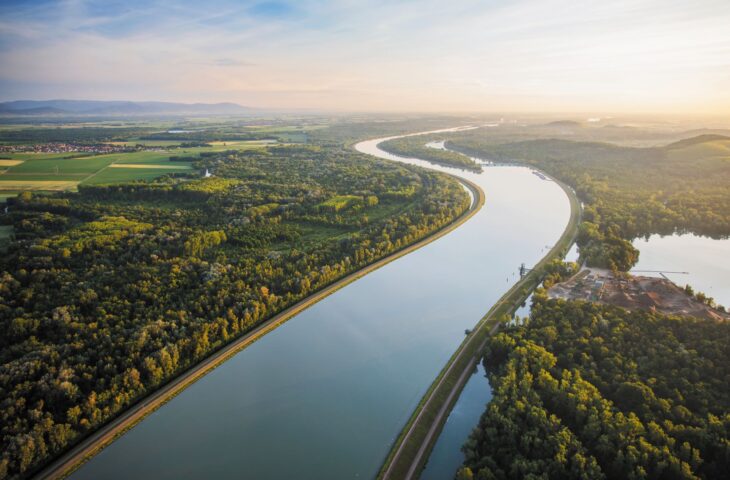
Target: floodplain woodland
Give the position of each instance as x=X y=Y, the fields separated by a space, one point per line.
x=133 y=250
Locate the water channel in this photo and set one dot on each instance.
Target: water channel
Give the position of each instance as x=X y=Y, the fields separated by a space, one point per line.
x=325 y=395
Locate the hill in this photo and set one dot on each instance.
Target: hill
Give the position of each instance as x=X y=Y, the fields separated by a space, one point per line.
x=688 y=142
x=563 y=124
x=95 y=107
x=628 y=192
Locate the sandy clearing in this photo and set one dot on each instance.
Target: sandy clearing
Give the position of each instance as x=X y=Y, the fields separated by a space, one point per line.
x=10 y=163
x=148 y=165
x=36 y=185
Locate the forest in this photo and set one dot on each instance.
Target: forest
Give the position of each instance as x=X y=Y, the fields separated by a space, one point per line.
x=94 y=134
x=108 y=293
x=414 y=147
x=628 y=192
x=583 y=390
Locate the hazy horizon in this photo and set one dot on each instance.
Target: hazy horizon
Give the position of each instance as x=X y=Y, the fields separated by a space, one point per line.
x=645 y=56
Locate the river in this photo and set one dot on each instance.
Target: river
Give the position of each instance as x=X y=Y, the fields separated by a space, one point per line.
x=325 y=395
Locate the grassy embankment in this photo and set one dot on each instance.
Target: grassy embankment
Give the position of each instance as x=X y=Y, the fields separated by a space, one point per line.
x=413 y=446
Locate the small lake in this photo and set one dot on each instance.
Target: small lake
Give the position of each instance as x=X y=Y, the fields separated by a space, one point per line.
x=707 y=260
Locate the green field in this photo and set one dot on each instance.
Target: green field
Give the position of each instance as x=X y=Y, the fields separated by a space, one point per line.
x=61 y=166
x=53 y=172
x=215 y=145
x=340 y=202
x=43 y=156
x=148 y=143
x=7 y=194
x=121 y=175
x=64 y=171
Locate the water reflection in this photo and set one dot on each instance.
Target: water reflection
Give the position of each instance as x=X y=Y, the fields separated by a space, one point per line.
x=325 y=395
x=707 y=260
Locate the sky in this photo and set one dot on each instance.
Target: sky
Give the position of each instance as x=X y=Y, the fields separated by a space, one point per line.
x=389 y=55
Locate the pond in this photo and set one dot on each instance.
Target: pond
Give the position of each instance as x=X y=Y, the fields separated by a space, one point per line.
x=706 y=260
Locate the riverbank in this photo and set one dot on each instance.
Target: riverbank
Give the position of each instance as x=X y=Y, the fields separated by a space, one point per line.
x=87 y=448
x=411 y=449
x=444 y=157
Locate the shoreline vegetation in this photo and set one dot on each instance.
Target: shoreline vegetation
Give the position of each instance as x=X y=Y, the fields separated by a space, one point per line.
x=92 y=444
x=102 y=438
x=553 y=412
x=283 y=206
x=413 y=147
x=411 y=449
x=583 y=390
x=629 y=192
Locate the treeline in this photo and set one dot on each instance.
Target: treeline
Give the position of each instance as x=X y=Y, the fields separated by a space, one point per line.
x=628 y=192
x=415 y=147
x=91 y=135
x=584 y=390
x=344 y=131
x=207 y=135
x=108 y=293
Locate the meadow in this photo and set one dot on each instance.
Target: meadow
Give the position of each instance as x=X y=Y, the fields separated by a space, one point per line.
x=65 y=171
x=54 y=172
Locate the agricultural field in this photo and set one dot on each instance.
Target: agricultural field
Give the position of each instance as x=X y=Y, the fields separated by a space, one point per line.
x=9 y=162
x=65 y=171
x=160 y=148
x=45 y=185
x=57 y=172
x=65 y=155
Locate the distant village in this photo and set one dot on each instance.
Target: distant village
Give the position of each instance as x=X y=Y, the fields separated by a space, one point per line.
x=97 y=148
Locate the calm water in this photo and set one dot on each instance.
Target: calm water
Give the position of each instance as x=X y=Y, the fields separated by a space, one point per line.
x=707 y=261
x=446 y=456
x=704 y=258
x=325 y=395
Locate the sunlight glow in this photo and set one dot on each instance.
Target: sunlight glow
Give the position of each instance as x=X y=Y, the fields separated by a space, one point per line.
x=525 y=55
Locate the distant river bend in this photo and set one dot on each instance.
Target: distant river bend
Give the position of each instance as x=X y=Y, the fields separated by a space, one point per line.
x=325 y=395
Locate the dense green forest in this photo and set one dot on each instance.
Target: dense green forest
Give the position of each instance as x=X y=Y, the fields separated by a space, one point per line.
x=94 y=134
x=628 y=192
x=414 y=147
x=583 y=390
x=109 y=292
x=178 y=130
x=347 y=130
x=207 y=135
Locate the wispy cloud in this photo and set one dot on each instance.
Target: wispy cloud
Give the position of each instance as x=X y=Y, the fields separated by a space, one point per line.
x=415 y=55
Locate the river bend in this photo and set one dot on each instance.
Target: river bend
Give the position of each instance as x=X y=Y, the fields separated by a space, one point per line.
x=325 y=395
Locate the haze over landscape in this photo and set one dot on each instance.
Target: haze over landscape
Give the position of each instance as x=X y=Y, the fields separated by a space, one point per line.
x=391 y=240
x=467 y=56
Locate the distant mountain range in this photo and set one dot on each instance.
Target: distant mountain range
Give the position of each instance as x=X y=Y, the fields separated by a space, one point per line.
x=95 y=107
